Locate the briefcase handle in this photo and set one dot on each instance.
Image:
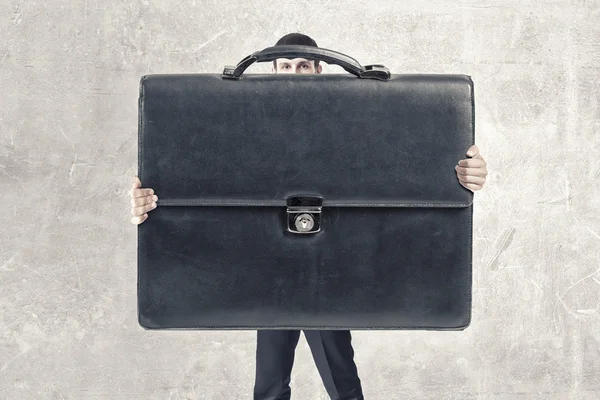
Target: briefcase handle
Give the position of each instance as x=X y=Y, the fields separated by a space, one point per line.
x=373 y=71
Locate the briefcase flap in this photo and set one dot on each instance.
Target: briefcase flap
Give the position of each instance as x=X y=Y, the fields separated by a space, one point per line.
x=266 y=137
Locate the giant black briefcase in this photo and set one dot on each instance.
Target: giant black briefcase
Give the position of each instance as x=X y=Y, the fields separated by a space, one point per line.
x=305 y=201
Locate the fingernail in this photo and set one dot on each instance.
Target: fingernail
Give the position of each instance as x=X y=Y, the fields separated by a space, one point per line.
x=153 y=205
x=151 y=191
x=155 y=197
x=469 y=153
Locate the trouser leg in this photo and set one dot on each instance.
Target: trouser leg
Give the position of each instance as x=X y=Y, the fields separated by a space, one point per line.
x=334 y=356
x=275 y=351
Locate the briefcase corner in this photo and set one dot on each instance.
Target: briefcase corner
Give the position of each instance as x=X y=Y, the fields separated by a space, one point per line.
x=147 y=323
x=466 y=322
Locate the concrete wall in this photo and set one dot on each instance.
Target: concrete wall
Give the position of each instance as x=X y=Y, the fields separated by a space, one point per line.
x=69 y=78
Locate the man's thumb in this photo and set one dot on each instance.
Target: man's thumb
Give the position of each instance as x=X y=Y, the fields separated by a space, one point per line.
x=136 y=182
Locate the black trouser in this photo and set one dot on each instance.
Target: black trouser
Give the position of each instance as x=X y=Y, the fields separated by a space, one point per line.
x=331 y=350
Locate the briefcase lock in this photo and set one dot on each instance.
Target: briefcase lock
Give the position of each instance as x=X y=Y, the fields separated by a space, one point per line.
x=304 y=214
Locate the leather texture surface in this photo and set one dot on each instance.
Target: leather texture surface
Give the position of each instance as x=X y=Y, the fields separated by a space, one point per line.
x=394 y=250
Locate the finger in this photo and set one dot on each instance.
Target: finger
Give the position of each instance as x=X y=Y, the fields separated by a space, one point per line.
x=138 y=220
x=136 y=182
x=143 y=200
x=141 y=192
x=136 y=211
x=472 y=162
x=471 y=171
x=143 y=209
x=477 y=180
x=472 y=187
x=136 y=185
x=473 y=151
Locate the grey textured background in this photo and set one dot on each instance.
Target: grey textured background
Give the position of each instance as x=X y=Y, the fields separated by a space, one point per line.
x=69 y=76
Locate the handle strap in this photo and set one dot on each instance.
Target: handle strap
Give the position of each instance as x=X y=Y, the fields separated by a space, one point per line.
x=373 y=71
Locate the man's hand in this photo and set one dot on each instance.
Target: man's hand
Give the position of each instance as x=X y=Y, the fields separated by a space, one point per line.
x=471 y=173
x=142 y=201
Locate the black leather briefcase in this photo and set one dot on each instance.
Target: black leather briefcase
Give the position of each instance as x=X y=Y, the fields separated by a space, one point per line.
x=305 y=201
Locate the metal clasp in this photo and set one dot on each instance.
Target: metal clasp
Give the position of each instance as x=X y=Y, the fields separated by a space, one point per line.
x=377 y=71
x=304 y=214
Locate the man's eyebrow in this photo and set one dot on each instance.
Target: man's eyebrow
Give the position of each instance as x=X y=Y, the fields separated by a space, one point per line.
x=287 y=62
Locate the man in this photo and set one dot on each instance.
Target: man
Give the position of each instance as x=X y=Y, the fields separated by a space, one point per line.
x=331 y=349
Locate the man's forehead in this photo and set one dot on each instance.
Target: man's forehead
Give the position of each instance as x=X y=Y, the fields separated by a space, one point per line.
x=280 y=60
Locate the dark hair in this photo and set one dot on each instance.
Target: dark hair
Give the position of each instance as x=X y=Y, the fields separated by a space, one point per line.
x=296 y=38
